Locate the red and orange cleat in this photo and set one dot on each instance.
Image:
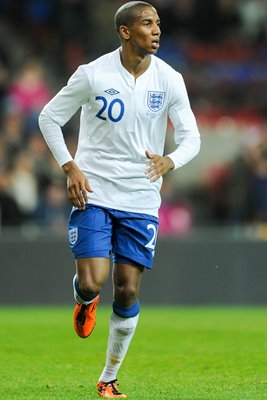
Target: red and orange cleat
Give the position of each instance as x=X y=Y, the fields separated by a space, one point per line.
x=85 y=318
x=109 y=390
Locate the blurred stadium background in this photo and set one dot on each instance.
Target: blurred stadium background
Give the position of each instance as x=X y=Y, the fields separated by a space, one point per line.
x=213 y=231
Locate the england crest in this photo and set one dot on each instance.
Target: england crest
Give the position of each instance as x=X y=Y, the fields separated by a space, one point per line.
x=155 y=100
x=73 y=236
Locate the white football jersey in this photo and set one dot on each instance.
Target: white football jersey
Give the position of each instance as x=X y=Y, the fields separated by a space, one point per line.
x=120 y=119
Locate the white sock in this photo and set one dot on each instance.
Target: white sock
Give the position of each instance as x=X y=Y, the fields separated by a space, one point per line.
x=121 y=332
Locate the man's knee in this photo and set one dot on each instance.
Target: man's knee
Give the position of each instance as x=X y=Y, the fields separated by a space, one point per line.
x=91 y=275
x=89 y=287
x=126 y=293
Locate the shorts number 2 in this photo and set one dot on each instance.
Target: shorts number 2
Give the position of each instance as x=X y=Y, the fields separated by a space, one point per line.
x=152 y=243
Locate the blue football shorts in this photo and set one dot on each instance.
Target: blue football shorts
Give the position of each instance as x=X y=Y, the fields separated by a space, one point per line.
x=100 y=232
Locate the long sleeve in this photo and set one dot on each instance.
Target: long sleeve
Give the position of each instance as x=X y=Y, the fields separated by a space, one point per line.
x=186 y=151
x=186 y=134
x=54 y=138
x=59 y=111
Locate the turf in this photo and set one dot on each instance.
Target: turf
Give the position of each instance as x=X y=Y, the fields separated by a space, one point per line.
x=177 y=353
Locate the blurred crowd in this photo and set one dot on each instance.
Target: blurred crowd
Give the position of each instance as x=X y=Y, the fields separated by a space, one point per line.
x=220 y=46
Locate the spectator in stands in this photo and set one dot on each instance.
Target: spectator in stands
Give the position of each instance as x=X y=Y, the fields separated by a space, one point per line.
x=258 y=188
x=24 y=186
x=28 y=93
x=10 y=214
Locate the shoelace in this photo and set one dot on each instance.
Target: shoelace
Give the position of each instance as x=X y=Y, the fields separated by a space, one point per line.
x=114 y=385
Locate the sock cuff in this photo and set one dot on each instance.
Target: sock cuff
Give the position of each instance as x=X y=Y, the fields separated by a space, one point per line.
x=126 y=312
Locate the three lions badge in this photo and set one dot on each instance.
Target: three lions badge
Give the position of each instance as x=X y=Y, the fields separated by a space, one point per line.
x=155 y=100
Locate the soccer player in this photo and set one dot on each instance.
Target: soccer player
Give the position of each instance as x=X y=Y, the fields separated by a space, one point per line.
x=114 y=180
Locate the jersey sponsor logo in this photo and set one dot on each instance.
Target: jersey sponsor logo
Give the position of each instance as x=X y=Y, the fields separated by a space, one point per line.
x=155 y=100
x=73 y=236
x=112 y=91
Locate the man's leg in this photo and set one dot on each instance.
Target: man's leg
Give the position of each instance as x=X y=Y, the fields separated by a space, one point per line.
x=90 y=233
x=91 y=274
x=123 y=322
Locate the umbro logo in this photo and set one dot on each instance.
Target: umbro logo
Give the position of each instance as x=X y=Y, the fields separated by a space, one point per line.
x=112 y=91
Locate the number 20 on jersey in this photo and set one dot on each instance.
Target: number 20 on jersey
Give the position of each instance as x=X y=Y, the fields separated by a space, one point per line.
x=113 y=111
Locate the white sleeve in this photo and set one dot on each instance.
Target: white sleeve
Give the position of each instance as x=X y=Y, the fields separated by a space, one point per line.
x=186 y=134
x=59 y=111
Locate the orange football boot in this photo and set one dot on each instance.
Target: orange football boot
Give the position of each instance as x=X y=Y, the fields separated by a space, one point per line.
x=85 y=318
x=110 y=390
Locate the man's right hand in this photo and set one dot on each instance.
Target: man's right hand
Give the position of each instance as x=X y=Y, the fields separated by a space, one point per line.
x=77 y=185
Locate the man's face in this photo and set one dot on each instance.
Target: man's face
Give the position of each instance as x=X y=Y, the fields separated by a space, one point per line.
x=145 y=32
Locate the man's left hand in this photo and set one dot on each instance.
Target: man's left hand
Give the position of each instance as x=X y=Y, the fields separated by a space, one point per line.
x=158 y=166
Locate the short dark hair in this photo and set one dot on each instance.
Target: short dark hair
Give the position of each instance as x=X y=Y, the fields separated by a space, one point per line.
x=127 y=13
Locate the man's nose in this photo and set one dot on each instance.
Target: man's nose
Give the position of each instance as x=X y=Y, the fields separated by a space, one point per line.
x=156 y=30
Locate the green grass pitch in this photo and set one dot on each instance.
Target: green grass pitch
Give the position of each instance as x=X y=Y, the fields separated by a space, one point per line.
x=181 y=353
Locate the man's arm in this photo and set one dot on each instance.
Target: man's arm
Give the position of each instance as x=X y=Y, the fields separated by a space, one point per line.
x=186 y=133
x=54 y=115
x=77 y=183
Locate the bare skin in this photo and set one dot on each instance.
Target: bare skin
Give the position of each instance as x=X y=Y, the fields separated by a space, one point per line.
x=93 y=272
x=138 y=42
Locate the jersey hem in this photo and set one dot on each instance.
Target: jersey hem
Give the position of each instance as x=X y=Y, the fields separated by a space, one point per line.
x=153 y=212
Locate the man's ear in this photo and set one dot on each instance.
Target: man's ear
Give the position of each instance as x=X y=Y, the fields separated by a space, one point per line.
x=124 y=32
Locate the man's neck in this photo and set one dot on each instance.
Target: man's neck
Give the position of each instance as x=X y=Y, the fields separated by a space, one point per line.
x=135 y=64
